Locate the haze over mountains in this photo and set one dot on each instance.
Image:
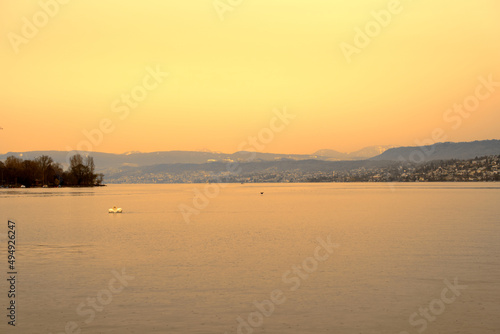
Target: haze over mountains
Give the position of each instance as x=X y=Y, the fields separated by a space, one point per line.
x=442 y=151
x=133 y=165
x=364 y=153
x=138 y=159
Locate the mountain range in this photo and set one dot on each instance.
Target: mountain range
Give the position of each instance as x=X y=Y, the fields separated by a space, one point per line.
x=138 y=159
x=119 y=166
x=364 y=153
x=442 y=151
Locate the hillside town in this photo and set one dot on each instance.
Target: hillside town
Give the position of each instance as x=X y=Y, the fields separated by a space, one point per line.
x=472 y=170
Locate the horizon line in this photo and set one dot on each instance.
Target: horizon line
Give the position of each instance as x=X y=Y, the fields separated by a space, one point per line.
x=218 y=152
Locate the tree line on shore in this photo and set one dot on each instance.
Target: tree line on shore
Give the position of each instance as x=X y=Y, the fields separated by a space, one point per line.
x=43 y=171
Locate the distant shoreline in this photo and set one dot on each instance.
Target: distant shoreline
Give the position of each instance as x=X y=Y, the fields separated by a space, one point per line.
x=49 y=187
x=255 y=183
x=305 y=182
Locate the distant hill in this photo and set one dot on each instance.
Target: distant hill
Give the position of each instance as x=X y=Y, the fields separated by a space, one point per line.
x=332 y=154
x=200 y=173
x=442 y=151
x=371 y=151
x=105 y=161
x=364 y=153
x=133 y=166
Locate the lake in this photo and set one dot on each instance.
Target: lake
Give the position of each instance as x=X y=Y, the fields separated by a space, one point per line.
x=299 y=258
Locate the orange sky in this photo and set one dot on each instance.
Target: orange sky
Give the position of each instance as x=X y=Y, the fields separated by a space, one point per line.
x=225 y=77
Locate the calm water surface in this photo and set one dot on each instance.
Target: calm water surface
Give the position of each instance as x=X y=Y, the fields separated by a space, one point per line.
x=397 y=245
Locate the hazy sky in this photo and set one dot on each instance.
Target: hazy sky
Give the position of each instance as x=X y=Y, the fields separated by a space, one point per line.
x=64 y=73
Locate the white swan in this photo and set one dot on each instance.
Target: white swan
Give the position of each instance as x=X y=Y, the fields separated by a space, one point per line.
x=115 y=210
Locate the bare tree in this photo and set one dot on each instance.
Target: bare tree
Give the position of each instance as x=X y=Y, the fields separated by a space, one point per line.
x=44 y=162
x=91 y=176
x=77 y=169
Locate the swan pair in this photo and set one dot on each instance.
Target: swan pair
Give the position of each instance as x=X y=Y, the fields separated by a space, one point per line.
x=115 y=210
